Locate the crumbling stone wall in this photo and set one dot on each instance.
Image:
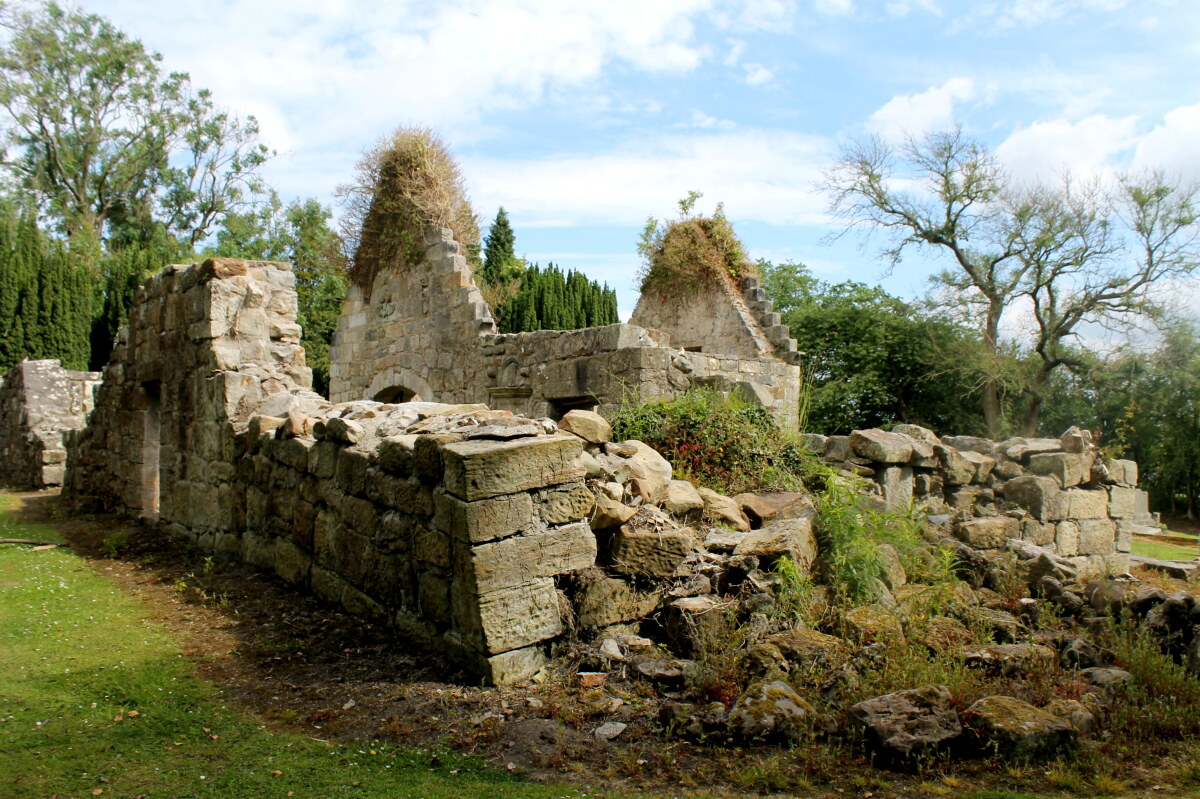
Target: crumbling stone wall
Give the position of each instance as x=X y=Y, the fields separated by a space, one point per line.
x=1060 y=494
x=424 y=332
x=204 y=346
x=40 y=402
x=415 y=334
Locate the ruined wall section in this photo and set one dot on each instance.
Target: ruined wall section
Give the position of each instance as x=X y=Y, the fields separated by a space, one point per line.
x=415 y=334
x=455 y=539
x=40 y=403
x=204 y=346
x=1059 y=494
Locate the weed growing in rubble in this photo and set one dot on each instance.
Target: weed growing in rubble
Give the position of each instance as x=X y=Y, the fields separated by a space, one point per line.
x=720 y=441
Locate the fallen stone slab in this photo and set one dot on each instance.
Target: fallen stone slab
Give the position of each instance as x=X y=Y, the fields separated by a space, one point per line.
x=1019 y=730
x=1179 y=569
x=907 y=723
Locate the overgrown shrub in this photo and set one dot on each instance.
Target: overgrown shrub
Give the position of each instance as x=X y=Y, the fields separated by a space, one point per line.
x=681 y=256
x=408 y=181
x=719 y=441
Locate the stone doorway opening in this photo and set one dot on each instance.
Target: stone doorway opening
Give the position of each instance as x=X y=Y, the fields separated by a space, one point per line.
x=151 y=450
x=395 y=394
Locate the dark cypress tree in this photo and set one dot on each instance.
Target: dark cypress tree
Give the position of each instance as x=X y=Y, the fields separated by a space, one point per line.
x=499 y=253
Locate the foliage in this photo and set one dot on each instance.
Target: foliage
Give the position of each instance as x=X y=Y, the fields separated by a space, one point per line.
x=121 y=271
x=113 y=708
x=546 y=299
x=851 y=535
x=46 y=295
x=500 y=261
x=682 y=255
x=1144 y=405
x=409 y=181
x=718 y=441
x=1075 y=254
x=299 y=233
x=106 y=142
x=872 y=360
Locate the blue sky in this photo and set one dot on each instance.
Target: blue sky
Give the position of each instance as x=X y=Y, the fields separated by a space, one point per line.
x=583 y=118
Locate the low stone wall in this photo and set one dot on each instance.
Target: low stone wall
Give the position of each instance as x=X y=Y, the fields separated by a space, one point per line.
x=40 y=402
x=1057 y=493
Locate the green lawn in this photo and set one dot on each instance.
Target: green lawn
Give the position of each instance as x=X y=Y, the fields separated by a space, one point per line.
x=1153 y=549
x=96 y=700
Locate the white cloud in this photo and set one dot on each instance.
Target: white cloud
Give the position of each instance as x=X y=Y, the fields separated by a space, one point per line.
x=759 y=175
x=917 y=114
x=757 y=74
x=1172 y=145
x=1087 y=148
x=703 y=120
x=833 y=8
x=902 y=8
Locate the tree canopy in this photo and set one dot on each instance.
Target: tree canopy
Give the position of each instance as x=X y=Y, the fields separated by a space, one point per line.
x=1074 y=254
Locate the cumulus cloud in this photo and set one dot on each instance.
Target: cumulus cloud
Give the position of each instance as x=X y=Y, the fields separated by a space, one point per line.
x=1172 y=144
x=757 y=74
x=1087 y=148
x=761 y=175
x=902 y=8
x=833 y=8
x=917 y=114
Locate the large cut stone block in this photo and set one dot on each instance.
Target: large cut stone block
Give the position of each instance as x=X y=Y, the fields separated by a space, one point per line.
x=881 y=447
x=1122 y=502
x=612 y=601
x=516 y=617
x=791 y=537
x=1068 y=468
x=1040 y=496
x=983 y=464
x=989 y=533
x=1097 y=537
x=1083 y=504
x=650 y=544
x=482 y=469
x=525 y=558
x=897 y=485
x=1123 y=472
x=484 y=519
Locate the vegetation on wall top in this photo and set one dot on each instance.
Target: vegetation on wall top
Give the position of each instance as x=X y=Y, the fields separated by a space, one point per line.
x=681 y=255
x=404 y=184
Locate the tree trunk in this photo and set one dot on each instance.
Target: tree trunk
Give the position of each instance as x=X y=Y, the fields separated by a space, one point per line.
x=992 y=416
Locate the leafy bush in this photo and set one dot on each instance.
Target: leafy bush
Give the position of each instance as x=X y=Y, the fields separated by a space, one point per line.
x=719 y=441
x=851 y=537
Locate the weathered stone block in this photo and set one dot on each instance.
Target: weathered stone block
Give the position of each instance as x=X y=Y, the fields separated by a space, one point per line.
x=897 y=485
x=481 y=469
x=791 y=537
x=983 y=464
x=514 y=666
x=588 y=425
x=525 y=558
x=1083 y=504
x=988 y=533
x=1123 y=472
x=432 y=547
x=680 y=498
x=1097 y=537
x=516 y=617
x=1066 y=538
x=1041 y=496
x=649 y=552
x=484 y=519
x=612 y=601
x=956 y=470
x=567 y=504
x=396 y=454
x=881 y=447
x=1040 y=533
x=1122 y=502
x=1068 y=468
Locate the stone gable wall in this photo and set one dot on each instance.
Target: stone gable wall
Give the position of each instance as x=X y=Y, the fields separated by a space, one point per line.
x=425 y=332
x=418 y=329
x=40 y=403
